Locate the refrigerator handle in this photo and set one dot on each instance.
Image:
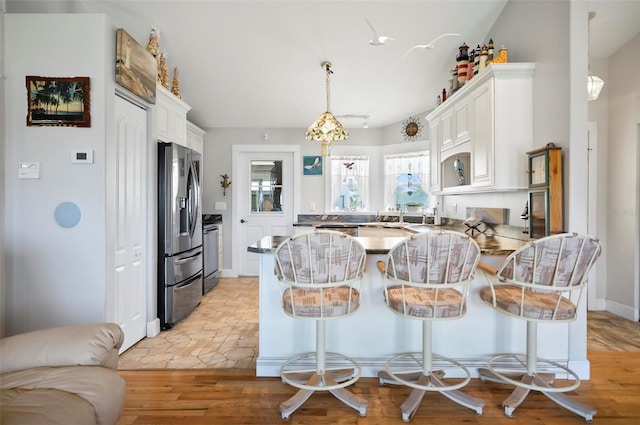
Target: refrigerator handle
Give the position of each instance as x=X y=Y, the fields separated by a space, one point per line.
x=194 y=198
x=187 y=259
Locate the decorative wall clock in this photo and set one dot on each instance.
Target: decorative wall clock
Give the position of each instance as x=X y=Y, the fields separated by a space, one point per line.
x=411 y=129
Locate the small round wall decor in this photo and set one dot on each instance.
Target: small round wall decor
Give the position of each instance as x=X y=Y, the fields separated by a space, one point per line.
x=411 y=129
x=67 y=214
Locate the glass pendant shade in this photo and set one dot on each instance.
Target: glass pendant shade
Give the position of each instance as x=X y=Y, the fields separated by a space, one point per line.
x=326 y=128
x=594 y=87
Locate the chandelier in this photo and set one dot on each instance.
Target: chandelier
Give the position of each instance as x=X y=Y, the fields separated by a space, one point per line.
x=326 y=128
x=594 y=84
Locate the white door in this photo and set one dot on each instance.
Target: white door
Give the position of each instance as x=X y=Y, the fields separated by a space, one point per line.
x=130 y=274
x=264 y=199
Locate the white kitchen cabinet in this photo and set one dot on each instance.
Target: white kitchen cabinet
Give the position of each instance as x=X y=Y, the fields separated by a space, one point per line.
x=492 y=118
x=195 y=137
x=170 y=117
x=454 y=125
x=446 y=129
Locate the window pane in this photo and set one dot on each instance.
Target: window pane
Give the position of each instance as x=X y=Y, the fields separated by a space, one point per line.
x=349 y=183
x=266 y=186
x=406 y=181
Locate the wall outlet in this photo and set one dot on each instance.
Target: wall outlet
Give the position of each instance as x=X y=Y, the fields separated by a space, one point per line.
x=312 y=206
x=220 y=206
x=454 y=208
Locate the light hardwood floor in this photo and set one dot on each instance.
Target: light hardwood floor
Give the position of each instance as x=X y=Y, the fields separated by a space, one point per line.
x=203 y=372
x=236 y=396
x=223 y=333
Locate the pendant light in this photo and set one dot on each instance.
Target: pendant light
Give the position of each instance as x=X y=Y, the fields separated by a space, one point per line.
x=594 y=84
x=327 y=129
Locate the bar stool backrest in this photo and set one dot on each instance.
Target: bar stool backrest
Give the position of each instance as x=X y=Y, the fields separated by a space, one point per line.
x=559 y=262
x=320 y=274
x=430 y=259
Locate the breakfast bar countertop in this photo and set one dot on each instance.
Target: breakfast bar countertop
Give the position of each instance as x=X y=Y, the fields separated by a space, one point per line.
x=489 y=244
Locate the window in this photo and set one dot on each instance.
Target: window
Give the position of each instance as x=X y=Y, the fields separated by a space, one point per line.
x=406 y=179
x=349 y=183
x=266 y=186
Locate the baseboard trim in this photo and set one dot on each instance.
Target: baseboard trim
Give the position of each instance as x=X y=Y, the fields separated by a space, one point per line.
x=153 y=328
x=228 y=273
x=622 y=310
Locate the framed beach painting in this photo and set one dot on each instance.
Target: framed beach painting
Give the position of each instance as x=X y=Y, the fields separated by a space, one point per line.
x=58 y=101
x=312 y=165
x=136 y=68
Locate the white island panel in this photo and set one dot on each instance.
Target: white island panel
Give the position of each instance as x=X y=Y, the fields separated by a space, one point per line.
x=374 y=333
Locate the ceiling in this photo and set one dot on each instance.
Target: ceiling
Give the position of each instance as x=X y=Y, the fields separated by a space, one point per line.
x=257 y=64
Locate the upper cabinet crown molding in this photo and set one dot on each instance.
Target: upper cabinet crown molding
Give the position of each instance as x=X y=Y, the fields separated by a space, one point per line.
x=491 y=117
x=195 y=137
x=170 y=117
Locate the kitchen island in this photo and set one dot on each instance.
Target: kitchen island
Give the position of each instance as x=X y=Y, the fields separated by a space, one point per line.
x=374 y=333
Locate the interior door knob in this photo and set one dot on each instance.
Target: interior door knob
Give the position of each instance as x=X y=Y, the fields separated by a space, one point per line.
x=242 y=220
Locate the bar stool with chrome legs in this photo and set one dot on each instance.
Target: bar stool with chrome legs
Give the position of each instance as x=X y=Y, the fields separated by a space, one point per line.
x=540 y=282
x=426 y=277
x=320 y=275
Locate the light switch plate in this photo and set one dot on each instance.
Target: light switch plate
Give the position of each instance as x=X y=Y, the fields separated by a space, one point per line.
x=220 y=206
x=29 y=170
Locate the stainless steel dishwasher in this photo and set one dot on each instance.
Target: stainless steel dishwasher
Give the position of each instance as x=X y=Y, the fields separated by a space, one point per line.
x=210 y=246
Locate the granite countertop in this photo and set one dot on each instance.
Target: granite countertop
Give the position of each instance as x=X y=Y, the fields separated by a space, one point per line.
x=489 y=244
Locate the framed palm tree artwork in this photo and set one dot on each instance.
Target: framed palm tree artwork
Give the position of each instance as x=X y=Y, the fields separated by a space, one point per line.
x=58 y=101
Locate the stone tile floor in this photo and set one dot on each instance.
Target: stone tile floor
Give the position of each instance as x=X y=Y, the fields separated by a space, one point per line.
x=222 y=332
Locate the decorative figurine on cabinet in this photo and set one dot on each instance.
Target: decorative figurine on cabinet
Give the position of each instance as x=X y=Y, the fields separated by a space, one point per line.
x=163 y=74
x=483 y=57
x=502 y=56
x=463 y=64
x=459 y=167
x=490 y=51
x=175 y=85
x=153 y=46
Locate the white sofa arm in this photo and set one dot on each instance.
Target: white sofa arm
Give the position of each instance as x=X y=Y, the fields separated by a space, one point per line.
x=81 y=345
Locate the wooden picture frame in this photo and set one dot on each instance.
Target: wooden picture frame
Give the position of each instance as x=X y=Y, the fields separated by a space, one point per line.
x=136 y=68
x=58 y=101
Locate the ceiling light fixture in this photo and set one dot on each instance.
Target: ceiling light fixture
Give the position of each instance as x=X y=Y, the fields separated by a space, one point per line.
x=327 y=129
x=594 y=84
x=365 y=123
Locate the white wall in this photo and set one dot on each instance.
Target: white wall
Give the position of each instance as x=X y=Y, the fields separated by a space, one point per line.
x=3 y=296
x=622 y=213
x=598 y=114
x=54 y=275
x=217 y=161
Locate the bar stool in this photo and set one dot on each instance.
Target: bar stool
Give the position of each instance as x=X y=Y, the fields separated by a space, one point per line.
x=540 y=282
x=320 y=275
x=426 y=277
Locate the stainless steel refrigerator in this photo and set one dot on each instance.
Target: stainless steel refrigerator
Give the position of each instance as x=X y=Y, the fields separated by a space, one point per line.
x=180 y=260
